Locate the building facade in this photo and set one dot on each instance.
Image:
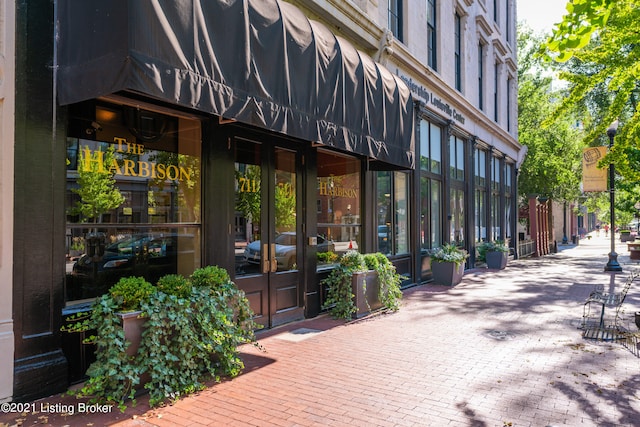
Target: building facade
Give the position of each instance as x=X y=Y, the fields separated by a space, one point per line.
x=266 y=137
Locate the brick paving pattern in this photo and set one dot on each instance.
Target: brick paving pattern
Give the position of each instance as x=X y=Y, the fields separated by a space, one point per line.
x=502 y=348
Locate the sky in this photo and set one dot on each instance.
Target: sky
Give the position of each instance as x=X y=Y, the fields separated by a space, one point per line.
x=541 y=15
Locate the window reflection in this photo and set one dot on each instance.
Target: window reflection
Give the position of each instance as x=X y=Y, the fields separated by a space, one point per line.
x=393 y=212
x=132 y=198
x=338 y=206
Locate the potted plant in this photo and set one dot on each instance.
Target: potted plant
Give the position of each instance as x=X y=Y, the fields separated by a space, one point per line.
x=190 y=334
x=388 y=280
x=494 y=254
x=340 y=294
x=447 y=264
x=626 y=236
x=117 y=320
x=194 y=329
x=360 y=284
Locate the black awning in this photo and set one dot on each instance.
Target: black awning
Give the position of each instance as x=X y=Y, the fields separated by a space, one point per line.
x=260 y=62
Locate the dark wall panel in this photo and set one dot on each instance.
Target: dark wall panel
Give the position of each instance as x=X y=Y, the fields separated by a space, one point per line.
x=40 y=367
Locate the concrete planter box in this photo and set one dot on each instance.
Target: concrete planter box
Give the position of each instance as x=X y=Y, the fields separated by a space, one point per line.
x=496 y=260
x=447 y=273
x=626 y=236
x=365 y=288
x=133 y=327
x=634 y=250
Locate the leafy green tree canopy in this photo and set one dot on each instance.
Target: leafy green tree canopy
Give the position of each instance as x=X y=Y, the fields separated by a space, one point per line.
x=597 y=47
x=552 y=167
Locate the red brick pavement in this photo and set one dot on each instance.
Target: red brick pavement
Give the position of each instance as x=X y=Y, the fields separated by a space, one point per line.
x=500 y=349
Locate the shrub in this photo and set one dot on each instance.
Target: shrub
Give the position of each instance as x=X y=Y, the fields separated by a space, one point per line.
x=327 y=257
x=211 y=277
x=129 y=292
x=175 y=284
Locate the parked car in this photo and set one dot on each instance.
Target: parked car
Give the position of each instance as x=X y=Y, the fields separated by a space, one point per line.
x=148 y=255
x=383 y=238
x=285 y=250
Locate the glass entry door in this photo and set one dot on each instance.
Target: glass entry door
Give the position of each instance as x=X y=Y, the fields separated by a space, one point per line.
x=268 y=247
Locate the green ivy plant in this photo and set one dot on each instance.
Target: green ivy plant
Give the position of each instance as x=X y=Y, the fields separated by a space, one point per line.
x=114 y=375
x=389 y=280
x=340 y=296
x=191 y=334
x=193 y=339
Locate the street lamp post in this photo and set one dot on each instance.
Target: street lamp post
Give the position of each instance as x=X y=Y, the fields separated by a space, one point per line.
x=565 y=240
x=612 y=265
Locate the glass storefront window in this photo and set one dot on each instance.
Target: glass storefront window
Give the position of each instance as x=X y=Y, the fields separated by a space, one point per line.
x=481 y=168
x=393 y=212
x=385 y=210
x=456 y=158
x=457 y=204
x=481 y=216
x=338 y=209
x=401 y=207
x=507 y=193
x=430 y=218
x=436 y=218
x=480 y=181
x=254 y=223
x=430 y=151
x=496 y=233
x=133 y=196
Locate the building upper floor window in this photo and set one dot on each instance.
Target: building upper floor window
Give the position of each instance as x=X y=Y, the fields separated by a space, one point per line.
x=495 y=174
x=507 y=20
x=432 y=35
x=458 y=51
x=509 y=82
x=496 y=84
x=395 y=18
x=480 y=76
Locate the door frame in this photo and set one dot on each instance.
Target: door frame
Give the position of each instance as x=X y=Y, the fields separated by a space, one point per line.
x=267 y=290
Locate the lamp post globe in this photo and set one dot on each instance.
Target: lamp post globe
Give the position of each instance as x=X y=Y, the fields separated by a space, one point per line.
x=612 y=264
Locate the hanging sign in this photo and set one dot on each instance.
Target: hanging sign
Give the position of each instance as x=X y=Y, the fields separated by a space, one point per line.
x=593 y=177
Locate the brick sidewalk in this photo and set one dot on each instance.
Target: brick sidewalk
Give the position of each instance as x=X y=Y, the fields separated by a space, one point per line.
x=501 y=348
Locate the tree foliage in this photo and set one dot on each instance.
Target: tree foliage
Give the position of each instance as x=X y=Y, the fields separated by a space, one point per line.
x=552 y=167
x=96 y=187
x=596 y=48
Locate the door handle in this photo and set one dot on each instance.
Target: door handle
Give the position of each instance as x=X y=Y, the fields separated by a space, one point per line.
x=272 y=256
x=265 y=258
